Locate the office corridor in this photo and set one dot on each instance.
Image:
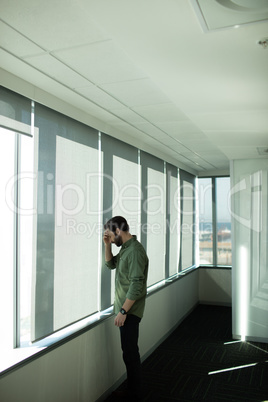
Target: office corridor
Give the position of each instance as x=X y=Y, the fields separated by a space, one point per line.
x=200 y=361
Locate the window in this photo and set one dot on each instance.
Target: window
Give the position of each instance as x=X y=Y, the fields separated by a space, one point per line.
x=187 y=212
x=17 y=208
x=224 y=245
x=214 y=221
x=205 y=222
x=18 y=159
x=62 y=180
x=7 y=165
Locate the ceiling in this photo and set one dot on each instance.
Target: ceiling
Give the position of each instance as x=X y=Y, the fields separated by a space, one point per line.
x=172 y=76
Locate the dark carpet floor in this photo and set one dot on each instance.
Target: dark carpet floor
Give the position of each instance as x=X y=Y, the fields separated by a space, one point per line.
x=200 y=361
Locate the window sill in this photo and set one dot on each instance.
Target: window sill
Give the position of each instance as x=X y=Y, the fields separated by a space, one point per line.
x=13 y=358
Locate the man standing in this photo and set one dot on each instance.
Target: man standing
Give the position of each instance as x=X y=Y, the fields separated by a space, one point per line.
x=131 y=265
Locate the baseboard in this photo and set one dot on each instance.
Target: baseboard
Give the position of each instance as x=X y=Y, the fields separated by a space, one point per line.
x=251 y=339
x=213 y=303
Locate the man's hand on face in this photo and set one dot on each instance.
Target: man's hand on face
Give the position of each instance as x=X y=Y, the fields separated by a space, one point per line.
x=120 y=320
x=107 y=237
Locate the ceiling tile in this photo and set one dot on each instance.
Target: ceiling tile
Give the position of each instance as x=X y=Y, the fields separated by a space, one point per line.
x=162 y=146
x=164 y=112
x=232 y=121
x=99 y=96
x=199 y=145
x=128 y=115
x=138 y=92
x=221 y=163
x=237 y=138
x=151 y=130
x=126 y=128
x=43 y=82
x=198 y=159
x=52 y=24
x=15 y=43
x=57 y=70
x=101 y=62
x=19 y=68
x=182 y=129
x=242 y=152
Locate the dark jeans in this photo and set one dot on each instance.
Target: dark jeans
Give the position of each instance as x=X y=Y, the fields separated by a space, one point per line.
x=131 y=356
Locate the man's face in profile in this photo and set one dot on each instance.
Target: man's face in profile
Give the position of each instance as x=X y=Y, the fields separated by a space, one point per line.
x=115 y=238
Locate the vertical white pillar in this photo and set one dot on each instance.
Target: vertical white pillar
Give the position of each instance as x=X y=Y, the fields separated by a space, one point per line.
x=249 y=204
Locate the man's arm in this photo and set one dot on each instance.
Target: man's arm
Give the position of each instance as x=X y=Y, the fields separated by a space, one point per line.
x=121 y=318
x=108 y=247
x=108 y=252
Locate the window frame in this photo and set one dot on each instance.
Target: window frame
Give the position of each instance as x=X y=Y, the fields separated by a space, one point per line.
x=214 y=222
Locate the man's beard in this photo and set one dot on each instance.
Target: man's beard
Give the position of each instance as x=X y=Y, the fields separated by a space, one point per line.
x=118 y=240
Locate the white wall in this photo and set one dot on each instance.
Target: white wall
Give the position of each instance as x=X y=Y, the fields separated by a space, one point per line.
x=215 y=286
x=88 y=366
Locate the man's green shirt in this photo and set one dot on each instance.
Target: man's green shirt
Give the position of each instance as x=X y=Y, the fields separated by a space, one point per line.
x=131 y=265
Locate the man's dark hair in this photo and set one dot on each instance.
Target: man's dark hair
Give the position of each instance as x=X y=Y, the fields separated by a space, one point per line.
x=117 y=222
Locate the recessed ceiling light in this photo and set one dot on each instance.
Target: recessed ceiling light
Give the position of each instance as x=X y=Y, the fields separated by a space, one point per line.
x=222 y=14
x=244 y=5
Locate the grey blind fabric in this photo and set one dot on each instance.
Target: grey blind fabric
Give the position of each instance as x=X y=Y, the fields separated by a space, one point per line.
x=172 y=220
x=121 y=195
x=15 y=106
x=154 y=214
x=68 y=237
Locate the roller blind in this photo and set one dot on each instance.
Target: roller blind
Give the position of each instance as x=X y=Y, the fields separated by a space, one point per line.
x=154 y=215
x=121 y=196
x=68 y=237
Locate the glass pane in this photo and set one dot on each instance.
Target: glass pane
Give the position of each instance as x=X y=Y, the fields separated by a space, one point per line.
x=224 y=245
x=7 y=236
x=205 y=222
x=27 y=230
